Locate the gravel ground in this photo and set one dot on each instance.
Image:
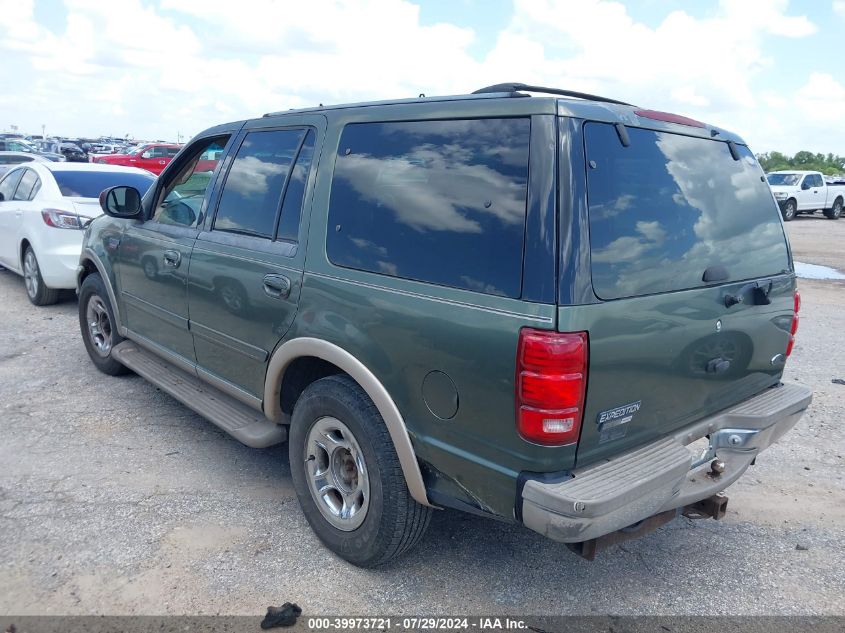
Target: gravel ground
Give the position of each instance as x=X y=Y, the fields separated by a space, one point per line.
x=115 y=499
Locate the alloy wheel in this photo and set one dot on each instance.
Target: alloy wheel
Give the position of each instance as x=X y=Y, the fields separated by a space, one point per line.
x=337 y=474
x=99 y=325
x=30 y=274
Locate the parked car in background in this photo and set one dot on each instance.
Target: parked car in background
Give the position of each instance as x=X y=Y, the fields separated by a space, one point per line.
x=805 y=192
x=43 y=208
x=102 y=148
x=537 y=341
x=11 y=159
x=73 y=152
x=20 y=145
x=153 y=157
x=17 y=158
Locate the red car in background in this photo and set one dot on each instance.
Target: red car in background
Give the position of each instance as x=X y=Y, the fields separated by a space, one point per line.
x=150 y=156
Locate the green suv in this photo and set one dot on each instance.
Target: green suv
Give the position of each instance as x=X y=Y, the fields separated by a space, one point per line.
x=531 y=308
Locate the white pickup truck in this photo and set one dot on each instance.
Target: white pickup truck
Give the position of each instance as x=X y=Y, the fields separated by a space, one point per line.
x=804 y=192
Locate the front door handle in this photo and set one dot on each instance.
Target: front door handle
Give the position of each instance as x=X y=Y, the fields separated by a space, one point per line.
x=172 y=258
x=277 y=286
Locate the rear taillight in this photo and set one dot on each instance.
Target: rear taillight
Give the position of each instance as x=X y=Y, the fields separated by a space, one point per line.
x=62 y=219
x=551 y=380
x=794 y=327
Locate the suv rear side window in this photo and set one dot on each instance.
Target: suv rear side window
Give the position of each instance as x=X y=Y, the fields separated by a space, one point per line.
x=436 y=201
x=253 y=189
x=668 y=207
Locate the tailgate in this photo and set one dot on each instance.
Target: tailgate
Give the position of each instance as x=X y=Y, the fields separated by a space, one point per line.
x=691 y=271
x=653 y=361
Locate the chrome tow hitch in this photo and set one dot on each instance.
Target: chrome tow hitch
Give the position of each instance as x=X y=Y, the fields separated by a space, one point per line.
x=734 y=439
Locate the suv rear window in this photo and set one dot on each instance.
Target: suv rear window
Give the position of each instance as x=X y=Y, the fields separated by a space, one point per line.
x=669 y=206
x=436 y=201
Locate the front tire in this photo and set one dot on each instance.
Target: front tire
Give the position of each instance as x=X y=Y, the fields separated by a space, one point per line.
x=37 y=291
x=99 y=328
x=835 y=211
x=790 y=209
x=347 y=475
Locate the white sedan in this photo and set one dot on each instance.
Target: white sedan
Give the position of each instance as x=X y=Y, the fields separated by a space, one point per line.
x=44 y=208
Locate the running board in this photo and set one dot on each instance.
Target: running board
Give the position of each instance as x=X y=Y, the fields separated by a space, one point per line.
x=237 y=419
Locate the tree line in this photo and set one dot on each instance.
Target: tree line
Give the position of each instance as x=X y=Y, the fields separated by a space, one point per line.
x=830 y=164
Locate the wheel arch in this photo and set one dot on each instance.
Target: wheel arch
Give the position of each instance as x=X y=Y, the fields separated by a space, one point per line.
x=25 y=244
x=90 y=263
x=297 y=348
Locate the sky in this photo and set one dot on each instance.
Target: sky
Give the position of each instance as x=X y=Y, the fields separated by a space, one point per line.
x=770 y=70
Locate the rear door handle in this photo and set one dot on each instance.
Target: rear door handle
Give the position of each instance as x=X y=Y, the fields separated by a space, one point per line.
x=172 y=258
x=277 y=286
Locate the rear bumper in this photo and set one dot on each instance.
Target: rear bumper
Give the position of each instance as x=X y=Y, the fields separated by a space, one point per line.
x=59 y=260
x=618 y=492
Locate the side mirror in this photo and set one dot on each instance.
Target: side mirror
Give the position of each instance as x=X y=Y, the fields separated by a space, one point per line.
x=805 y=185
x=2 y=197
x=147 y=154
x=121 y=202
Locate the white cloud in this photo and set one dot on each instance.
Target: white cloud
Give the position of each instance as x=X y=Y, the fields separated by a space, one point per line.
x=822 y=98
x=182 y=65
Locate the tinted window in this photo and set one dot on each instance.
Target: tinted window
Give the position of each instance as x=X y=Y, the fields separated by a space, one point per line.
x=784 y=179
x=89 y=184
x=29 y=181
x=668 y=207
x=253 y=189
x=10 y=183
x=185 y=192
x=295 y=191
x=436 y=201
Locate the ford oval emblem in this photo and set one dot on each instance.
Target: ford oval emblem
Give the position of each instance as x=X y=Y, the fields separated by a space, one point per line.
x=719 y=325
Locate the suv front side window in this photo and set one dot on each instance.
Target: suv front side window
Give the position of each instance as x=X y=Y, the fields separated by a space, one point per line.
x=182 y=198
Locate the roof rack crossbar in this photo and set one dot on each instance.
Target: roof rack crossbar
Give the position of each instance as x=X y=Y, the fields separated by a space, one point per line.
x=516 y=87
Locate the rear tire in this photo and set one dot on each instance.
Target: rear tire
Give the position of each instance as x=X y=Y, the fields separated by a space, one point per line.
x=347 y=475
x=789 y=211
x=98 y=325
x=37 y=291
x=835 y=211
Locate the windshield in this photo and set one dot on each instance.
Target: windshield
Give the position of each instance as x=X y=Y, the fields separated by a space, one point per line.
x=137 y=149
x=89 y=184
x=784 y=179
x=669 y=207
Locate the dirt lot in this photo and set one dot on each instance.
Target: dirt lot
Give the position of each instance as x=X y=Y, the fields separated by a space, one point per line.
x=115 y=499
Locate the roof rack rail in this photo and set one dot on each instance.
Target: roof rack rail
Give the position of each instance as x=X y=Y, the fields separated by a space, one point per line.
x=516 y=87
